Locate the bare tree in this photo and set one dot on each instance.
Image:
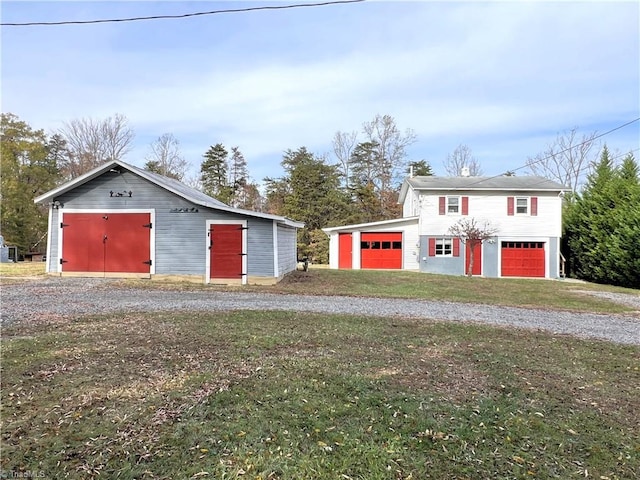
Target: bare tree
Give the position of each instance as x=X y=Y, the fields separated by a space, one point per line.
x=460 y=158
x=92 y=142
x=343 y=146
x=472 y=233
x=567 y=159
x=390 y=145
x=165 y=157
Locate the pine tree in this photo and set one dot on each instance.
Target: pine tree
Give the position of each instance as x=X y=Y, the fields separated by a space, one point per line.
x=238 y=177
x=309 y=192
x=213 y=173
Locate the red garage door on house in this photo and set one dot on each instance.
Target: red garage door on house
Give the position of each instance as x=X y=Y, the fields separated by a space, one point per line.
x=106 y=242
x=381 y=250
x=523 y=259
x=226 y=250
x=345 y=250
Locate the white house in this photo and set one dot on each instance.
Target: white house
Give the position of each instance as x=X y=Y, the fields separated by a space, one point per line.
x=526 y=213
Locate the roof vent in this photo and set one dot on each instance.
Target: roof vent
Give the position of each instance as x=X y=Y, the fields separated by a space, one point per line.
x=464 y=172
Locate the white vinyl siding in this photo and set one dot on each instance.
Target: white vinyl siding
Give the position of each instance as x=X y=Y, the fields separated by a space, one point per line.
x=492 y=206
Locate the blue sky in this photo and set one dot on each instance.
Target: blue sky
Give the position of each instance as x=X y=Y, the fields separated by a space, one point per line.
x=502 y=78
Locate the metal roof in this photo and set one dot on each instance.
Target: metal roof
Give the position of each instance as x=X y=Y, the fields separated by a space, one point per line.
x=170 y=184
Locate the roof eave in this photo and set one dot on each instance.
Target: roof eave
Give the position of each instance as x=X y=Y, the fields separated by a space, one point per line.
x=84 y=178
x=357 y=226
x=498 y=189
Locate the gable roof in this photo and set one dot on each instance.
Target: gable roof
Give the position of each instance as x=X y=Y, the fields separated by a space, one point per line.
x=174 y=186
x=501 y=183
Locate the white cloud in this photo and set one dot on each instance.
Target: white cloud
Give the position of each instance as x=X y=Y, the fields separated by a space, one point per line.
x=460 y=72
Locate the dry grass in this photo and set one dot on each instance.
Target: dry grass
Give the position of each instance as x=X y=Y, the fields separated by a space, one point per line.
x=22 y=269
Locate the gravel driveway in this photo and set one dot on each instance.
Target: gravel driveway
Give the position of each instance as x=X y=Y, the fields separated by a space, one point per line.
x=70 y=297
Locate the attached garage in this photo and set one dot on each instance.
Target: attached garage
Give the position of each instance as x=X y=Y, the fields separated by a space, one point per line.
x=122 y=221
x=381 y=250
x=522 y=259
x=389 y=244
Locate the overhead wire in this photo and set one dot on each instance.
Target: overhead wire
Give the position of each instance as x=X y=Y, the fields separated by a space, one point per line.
x=527 y=165
x=178 y=16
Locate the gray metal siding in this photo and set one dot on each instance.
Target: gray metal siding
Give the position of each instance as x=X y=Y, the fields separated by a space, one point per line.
x=180 y=238
x=287 y=249
x=260 y=248
x=442 y=265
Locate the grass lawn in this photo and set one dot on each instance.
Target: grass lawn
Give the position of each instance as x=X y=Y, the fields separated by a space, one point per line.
x=547 y=294
x=273 y=395
x=22 y=269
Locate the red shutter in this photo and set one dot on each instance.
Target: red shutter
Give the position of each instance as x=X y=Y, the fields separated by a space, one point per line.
x=509 y=205
x=534 y=206
x=456 y=247
x=432 y=247
x=442 y=205
x=465 y=205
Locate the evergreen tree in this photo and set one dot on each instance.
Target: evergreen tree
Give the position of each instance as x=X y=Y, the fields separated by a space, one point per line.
x=602 y=225
x=238 y=177
x=309 y=192
x=421 y=168
x=213 y=173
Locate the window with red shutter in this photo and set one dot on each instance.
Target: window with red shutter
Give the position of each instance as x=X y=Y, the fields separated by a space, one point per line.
x=534 y=206
x=509 y=205
x=442 y=202
x=432 y=247
x=465 y=205
x=456 y=247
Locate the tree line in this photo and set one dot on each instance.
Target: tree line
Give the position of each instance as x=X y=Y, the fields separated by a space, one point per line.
x=357 y=182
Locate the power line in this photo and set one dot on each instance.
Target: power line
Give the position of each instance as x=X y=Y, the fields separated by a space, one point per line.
x=484 y=179
x=184 y=15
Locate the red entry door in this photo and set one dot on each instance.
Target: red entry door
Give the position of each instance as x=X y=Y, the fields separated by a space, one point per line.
x=477 y=259
x=106 y=242
x=345 y=247
x=226 y=251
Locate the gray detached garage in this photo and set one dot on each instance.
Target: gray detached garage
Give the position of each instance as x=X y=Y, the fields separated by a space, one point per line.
x=121 y=221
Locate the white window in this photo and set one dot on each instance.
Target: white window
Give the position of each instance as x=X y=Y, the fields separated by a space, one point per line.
x=443 y=247
x=453 y=205
x=522 y=206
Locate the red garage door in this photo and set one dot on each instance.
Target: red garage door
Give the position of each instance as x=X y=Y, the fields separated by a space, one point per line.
x=381 y=250
x=106 y=242
x=523 y=259
x=345 y=253
x=226 y=251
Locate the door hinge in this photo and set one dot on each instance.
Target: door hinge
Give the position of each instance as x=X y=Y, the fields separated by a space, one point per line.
x=148 y=225
x=62 y=260
x=62 y=225
x=242 y=254
x=243 y=228
x=242 y=274
x=148 y=262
